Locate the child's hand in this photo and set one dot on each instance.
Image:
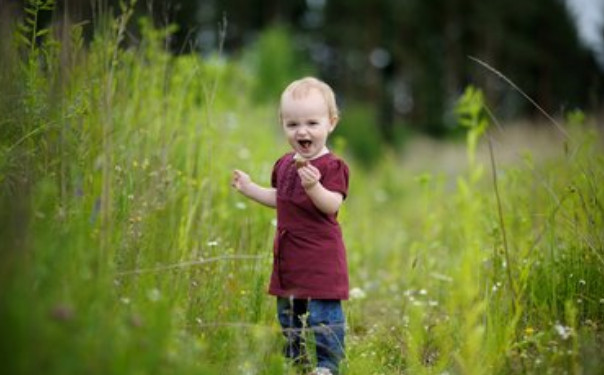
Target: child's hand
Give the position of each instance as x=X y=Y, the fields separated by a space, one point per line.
x=309 y=175
x=240 y=180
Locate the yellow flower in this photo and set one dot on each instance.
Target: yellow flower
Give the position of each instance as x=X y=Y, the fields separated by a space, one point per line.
x=529 y=331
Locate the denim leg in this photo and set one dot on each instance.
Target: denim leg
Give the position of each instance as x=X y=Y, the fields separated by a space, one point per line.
x=327 y=321
x=291 y=313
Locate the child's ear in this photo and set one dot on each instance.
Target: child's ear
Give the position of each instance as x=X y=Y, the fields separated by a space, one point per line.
x=334 y=122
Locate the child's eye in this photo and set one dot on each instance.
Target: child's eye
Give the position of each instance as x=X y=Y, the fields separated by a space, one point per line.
x=313 y=122
x=291 y=124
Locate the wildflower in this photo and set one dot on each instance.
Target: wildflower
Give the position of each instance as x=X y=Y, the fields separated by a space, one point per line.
x=125 y=300
x=563 y=331
x=423 y=292
x=212 y=243
x=154 y=295
x=240 y=206
x=321 y=371
x=582 y=282
x=357 y=293
x=247 y=368
x=529 y=331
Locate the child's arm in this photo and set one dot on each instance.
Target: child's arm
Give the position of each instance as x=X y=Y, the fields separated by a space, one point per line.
x=325 y=200
x=244 y=184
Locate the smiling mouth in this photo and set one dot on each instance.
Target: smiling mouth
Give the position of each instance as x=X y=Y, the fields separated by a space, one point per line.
x=305 y=144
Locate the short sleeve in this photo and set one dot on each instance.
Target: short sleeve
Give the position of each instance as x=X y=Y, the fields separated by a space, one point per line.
x=275 y=173
x=335 y=177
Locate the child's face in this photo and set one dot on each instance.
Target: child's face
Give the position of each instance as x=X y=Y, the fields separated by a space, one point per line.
x=306 y=123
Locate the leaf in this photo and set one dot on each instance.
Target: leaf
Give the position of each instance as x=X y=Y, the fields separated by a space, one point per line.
x=31 y=11
x=24 y=28
x=42 y=32
x=23 y=39
x=49 y=5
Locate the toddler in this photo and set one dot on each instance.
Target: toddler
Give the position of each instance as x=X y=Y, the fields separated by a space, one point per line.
x=308 y=185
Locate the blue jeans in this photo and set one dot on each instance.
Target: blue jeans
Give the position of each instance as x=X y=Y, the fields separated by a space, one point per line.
x=324 y=318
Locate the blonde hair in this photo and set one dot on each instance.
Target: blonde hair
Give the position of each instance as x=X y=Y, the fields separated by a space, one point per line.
x=301 y=88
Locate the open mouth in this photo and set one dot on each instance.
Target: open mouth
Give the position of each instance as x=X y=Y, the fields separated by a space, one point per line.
x=304 y=144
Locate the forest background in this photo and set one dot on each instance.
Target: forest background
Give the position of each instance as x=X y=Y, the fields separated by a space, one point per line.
x=402 y=63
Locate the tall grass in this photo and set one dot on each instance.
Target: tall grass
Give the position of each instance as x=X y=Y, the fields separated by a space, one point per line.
x=124 y=251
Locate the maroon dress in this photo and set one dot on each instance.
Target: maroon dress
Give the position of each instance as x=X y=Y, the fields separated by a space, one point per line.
x=309 y=257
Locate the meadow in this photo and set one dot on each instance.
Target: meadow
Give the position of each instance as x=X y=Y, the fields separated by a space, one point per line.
x=125 y=251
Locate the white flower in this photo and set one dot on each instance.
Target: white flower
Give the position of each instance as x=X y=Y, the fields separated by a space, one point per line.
x=240 y=206
x=357 y=293
x=154 y=295
x=212 y=243
x=563 y=331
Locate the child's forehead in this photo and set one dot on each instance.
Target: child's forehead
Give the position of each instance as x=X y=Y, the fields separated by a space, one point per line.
x=297 y=97
x=313 y=100
x=303 y=88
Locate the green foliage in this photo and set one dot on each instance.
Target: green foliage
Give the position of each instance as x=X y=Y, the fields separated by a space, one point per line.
x=358 y=131
x=275 y=61
x=575 y=118
x=471 y=115
x=28 y=30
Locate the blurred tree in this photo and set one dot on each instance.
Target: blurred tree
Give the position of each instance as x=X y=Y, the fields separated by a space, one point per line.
x=407 y=58
x=534 y=43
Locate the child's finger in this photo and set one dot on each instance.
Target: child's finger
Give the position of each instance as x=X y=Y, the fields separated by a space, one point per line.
x=311 y=171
